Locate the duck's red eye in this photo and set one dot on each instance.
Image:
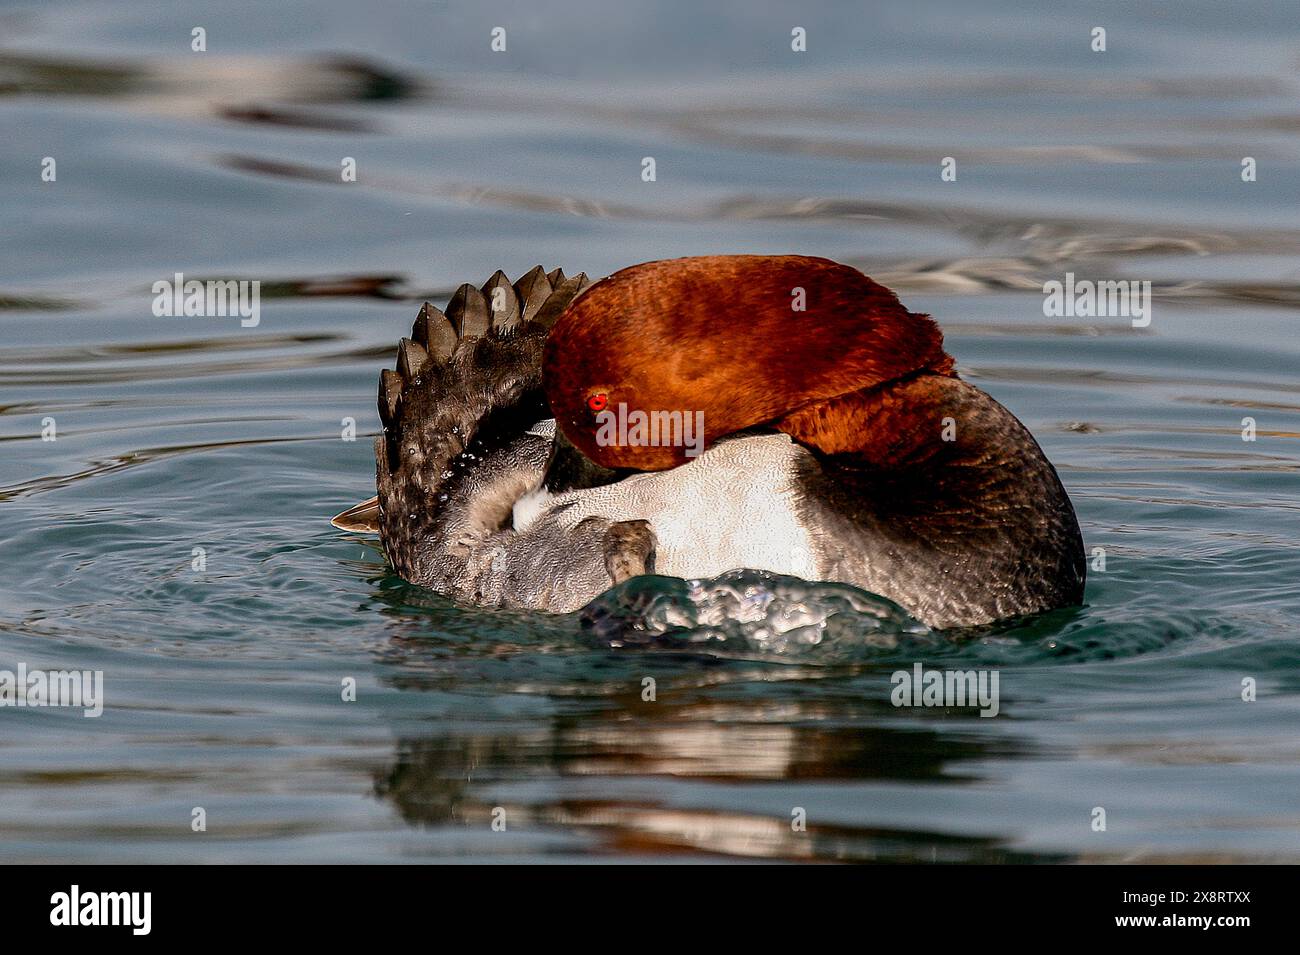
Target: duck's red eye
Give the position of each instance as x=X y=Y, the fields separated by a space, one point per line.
x=598 y=401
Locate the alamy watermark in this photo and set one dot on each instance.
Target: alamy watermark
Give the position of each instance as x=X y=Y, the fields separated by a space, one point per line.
x=130 y=909
x=1084 y=298
x=215 y=298
x=73 y=688
x=946 y=688
x=654 y=429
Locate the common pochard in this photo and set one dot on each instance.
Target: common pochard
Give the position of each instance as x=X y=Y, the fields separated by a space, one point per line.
x=544 y=440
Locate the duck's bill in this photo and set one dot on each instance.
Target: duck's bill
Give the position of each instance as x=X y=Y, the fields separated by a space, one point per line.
x=363 y=517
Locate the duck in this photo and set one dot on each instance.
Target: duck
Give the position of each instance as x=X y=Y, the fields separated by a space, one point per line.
x=548 y=439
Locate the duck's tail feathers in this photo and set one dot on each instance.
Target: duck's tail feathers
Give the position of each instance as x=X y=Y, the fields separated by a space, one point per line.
x=363 y=517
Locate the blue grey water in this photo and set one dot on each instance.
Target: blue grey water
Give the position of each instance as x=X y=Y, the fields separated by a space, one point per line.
x=223 y=686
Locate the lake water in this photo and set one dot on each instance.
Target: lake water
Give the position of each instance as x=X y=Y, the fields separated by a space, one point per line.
x=223 y=685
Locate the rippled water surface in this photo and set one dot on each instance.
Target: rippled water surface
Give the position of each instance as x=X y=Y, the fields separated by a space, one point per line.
x=223 y=685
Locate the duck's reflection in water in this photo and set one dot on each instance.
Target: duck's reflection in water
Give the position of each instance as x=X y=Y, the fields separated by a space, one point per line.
x=693 y=778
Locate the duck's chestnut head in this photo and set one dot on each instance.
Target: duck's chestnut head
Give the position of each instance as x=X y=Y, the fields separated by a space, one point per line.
x=722 y=342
